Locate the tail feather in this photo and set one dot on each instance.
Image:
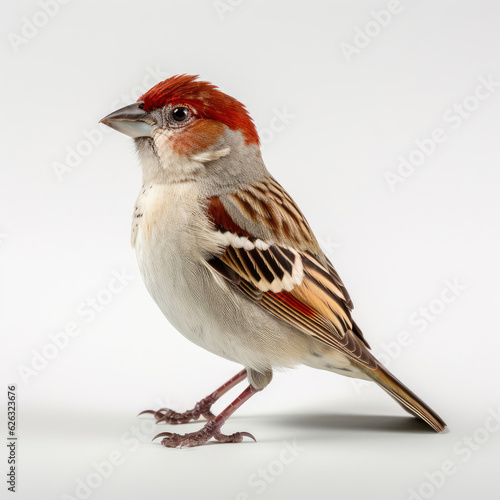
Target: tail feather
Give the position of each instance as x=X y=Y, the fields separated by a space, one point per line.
x=406 y=398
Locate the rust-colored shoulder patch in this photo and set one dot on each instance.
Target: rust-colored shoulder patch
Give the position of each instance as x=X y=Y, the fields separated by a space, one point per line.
x=221 y=219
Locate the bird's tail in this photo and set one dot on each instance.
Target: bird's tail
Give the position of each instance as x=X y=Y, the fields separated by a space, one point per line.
x=406 y=398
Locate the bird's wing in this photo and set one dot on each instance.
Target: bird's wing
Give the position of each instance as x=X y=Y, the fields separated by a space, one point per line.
x=270 y=254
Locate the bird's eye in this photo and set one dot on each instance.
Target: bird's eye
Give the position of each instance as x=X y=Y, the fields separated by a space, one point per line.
x=180 y=113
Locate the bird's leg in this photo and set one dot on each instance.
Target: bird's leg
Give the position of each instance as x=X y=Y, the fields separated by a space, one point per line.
x=212 y=428
x=201 y=408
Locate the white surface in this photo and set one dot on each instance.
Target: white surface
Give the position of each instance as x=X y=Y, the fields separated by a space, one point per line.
x=61 y=242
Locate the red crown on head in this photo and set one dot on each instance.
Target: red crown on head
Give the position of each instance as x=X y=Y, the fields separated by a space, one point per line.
x=207 y=100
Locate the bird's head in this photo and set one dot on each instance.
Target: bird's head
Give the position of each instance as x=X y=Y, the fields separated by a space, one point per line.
x=185 y=129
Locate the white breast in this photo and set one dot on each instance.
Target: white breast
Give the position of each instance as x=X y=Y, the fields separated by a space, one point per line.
x=170 y=234
x=172 y=238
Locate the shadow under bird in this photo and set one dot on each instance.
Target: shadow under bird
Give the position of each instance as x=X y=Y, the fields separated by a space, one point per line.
x=229 y=258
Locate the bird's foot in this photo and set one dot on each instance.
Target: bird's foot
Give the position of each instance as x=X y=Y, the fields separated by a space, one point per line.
x=168 y=416
x=210 y=430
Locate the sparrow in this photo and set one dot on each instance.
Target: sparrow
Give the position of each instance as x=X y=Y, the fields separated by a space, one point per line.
x=229 y=258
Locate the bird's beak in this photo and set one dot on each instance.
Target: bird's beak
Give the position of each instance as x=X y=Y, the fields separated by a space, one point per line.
x=131 y=120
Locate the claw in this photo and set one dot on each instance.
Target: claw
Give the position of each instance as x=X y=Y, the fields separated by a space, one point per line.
x=146 y=411
x=247 y=434
x=172 y=417
x=237 y=437
x=212 y=428
x=172 y=440
x=163 y=434
x=156 y=413
x=162 y=414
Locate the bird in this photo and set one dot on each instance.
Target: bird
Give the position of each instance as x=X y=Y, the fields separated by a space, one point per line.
x=230 y=259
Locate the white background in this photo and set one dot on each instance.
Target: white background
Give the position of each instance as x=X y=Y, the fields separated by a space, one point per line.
x=63 y=236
